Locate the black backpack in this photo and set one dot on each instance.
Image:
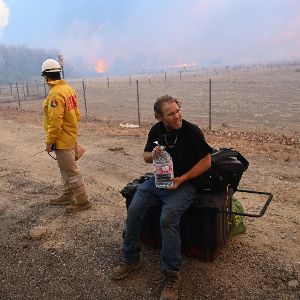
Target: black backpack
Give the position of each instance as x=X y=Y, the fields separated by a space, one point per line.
x=227 y=169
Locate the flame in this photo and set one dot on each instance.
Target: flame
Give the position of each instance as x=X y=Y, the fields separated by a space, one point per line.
x=101 y=66
x=183 y=65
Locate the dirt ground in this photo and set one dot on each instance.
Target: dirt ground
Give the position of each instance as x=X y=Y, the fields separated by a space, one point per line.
x=45 y=254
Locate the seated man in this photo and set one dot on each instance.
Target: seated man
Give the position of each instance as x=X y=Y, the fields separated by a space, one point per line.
x=190 y=153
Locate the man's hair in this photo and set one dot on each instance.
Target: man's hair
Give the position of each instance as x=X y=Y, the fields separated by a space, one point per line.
x=53 y=75
x=161 y=100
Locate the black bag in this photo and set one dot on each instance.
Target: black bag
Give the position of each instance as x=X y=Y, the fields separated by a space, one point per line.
x=227 y=169
x=129 y=190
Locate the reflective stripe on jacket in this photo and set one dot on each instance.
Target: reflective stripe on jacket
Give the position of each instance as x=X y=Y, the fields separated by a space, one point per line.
x=61 y=115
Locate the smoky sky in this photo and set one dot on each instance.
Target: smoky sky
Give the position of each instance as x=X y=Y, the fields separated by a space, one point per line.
x=157 y=33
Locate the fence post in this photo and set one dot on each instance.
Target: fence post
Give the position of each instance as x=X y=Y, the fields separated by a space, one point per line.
x=180 y=75
x=84 y=98
x=138 y=101
x=45 y=89
x=24 y=91
x=165 y=76
x=37 y=88
x=149 y=78
x=209 y=105
x=129 y=80
x=18 y=94
x=27 y=88
x=107 y=81
x=10 y=88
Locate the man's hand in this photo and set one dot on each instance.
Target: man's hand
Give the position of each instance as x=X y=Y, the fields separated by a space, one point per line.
x=49 y=147
x=156 y=151
x=177 y=181
x=148 y=156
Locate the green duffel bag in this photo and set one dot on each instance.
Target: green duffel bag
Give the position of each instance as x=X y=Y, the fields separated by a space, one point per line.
x=237 y=225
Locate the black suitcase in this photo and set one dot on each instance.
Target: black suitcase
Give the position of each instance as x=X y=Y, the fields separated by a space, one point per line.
x=203 y=230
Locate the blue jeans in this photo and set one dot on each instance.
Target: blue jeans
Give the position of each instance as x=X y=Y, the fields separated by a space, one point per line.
x=174 y=204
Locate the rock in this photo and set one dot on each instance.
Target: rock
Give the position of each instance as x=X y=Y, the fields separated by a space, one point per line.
x=293 y=283
x=38 y=232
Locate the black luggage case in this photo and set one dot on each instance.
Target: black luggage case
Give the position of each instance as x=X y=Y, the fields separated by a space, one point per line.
x=203 y=230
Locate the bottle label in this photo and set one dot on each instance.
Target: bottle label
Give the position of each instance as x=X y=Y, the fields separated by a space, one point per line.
x=165 y=168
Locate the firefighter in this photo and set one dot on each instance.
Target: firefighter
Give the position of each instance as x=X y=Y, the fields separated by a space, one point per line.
x=61 y=117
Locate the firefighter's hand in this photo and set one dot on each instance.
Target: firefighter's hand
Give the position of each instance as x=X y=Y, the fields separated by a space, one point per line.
x=49 y=147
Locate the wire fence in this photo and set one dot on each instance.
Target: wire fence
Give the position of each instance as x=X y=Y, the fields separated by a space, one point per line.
x=17 y=92
x=266 y=104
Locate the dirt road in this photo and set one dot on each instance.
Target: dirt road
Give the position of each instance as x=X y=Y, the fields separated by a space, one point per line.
x=45 y=254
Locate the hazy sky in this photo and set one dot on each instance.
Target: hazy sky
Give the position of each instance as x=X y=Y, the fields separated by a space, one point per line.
x=156 y=33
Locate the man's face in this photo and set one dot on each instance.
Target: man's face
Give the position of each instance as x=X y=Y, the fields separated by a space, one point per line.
x=171 y=116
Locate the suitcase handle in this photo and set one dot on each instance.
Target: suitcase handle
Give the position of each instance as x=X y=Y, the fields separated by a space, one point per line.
x=263 y=210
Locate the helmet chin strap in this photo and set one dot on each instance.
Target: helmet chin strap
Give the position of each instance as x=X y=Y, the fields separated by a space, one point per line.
x=45 y=77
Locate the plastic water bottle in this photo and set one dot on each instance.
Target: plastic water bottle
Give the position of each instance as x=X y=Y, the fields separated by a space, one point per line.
x=163 y=168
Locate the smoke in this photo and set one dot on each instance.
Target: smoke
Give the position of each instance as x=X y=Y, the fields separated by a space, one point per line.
x=4 y=16
x=144 y=36
x=82 y=39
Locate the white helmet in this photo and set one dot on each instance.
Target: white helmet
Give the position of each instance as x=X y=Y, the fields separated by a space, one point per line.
x=50 y=65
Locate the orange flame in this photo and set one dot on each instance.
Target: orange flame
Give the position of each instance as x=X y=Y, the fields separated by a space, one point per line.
x=101 y=66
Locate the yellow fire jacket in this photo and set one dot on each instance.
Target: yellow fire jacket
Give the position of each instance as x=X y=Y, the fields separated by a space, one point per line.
x=61 y=115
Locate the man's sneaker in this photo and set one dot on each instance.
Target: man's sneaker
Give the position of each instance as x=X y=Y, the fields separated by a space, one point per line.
x=171 y=288
x=62 y=200
x=123 y=269
x=78 y=207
